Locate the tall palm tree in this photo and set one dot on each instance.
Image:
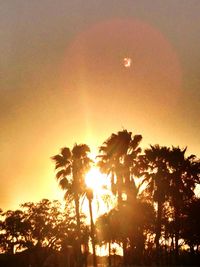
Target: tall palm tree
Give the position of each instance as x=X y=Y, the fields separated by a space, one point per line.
x=117 y=156
x=71 y=166
x=184 y=175
x=153 y=168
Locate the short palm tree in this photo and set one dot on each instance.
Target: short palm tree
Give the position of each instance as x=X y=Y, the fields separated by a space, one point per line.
x=105 y=232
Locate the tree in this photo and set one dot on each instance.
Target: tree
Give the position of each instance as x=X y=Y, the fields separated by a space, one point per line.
x=153 y=167
x=132 y=222
x=117 y=157
x=105 y=231
x=71 y=168
x=12 y=231
x=184 y=175
x=41 y=230
x=190 y=230
x=46 y=223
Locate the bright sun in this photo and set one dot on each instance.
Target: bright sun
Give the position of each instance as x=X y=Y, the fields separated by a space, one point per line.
x=103 y=199
x=96 y=180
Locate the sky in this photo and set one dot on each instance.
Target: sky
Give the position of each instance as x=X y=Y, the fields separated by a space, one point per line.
x=63 y=81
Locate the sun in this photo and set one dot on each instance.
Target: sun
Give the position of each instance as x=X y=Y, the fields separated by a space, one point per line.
x=96 y=180
x=103 y=199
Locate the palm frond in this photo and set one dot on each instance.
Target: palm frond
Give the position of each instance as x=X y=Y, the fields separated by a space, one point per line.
x=60 y=174
x=80 y=151
x=136 y=140
x=66 y=153
x=64 y=183
x=60 y=161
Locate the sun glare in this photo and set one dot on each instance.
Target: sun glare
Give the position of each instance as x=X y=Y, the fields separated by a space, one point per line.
x=96 y=180
x=103 y=199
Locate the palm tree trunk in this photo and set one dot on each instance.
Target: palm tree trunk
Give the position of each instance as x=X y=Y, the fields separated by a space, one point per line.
x=109 y=253
x=92 y=234
x=11 y=249
x=76 y=199
x=119 y=190
x=158 y=231
x=124 y=245
x=177 y=221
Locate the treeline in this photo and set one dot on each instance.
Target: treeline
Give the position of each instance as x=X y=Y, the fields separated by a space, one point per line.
x=39 y=230
x=156 y=219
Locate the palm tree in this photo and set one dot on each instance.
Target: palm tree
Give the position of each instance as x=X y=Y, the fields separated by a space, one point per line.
x=105 y=232
x=184 y=175
x=153 y=168
x=71 y=166
x=191 y=221
x=117 y=157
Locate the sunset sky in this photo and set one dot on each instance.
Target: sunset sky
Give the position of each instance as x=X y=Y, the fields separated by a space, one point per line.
x=63 y=80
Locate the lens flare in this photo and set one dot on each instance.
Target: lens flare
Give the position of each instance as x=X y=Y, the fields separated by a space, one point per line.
x=127 y=62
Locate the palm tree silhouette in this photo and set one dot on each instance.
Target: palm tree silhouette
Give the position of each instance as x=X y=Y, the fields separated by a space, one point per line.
x=153 y=167
x=190 y=231
x=105 y=232
x=117 y=156
x=71 y=166
x=184 y=175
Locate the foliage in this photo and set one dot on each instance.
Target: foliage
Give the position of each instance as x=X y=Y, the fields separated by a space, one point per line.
x=40 y=224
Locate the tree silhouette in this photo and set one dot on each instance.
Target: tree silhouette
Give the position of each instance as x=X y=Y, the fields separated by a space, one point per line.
x=72 y=167
x=190 y=230
x=45 y=221
x=40 y=229
x=105 y=231
x=184 y=175
x=12 y=231
x=117 y=157
x=153 y=168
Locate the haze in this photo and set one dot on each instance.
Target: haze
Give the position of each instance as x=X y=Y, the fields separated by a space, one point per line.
x=63 y=81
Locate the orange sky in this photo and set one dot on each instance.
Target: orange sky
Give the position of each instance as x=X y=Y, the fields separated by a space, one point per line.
x=63 y=81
